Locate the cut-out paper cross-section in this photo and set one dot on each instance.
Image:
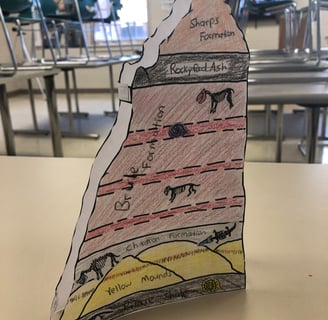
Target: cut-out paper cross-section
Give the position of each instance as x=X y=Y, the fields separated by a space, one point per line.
x=162 y=217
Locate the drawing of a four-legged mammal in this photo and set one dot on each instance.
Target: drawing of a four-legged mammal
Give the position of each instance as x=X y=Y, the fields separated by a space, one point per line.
x=191 y=187
x=97 y=265
x=216 y=97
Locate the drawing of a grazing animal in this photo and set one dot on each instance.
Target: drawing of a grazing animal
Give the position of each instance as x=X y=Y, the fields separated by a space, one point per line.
x=216 y=98
x=191 y=187
x=97 y=265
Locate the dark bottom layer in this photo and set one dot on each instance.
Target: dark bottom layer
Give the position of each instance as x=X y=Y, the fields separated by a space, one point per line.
x=174 y=293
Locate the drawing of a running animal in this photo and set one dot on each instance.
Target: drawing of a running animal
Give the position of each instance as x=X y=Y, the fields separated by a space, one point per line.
x=216 y=98
x=97 y=265
x=191 y=187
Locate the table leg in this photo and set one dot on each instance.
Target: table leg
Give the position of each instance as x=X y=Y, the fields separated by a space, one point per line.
x=267 y=119
x=312 y=134
x=76 y=97
x=6 y=121
x=53 y=116
x=32 y=103
x=279 y=132
x=324 y=123
x=69 y=100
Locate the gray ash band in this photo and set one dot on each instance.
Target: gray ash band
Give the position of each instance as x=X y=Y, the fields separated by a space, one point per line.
x=194 y=68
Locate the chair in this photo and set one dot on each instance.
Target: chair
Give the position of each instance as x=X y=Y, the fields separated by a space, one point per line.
x=78 y=19
x=20 y=13
x=75 y=15
x=299 y=48
x=13 y=6
x=72 y=17
x=7 y=68
x=24 y=15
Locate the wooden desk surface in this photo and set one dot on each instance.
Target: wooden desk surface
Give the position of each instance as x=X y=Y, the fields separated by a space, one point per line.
x=286 y=242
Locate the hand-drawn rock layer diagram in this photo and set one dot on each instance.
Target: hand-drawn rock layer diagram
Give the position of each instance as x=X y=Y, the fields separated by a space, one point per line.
x=167 y=219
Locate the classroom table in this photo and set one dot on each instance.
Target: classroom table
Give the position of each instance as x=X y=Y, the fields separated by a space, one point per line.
x=286 y=242
x=308 y=89
x=48 y=76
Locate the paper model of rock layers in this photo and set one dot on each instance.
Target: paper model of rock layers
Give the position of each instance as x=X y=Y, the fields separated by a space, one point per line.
x=162 y=217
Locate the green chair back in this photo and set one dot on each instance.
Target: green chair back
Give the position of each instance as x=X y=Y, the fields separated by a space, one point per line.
x=14 y=6
x=51 y=9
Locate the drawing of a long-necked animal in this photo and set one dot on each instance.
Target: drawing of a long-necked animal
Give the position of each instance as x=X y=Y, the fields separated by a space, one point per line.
x=216 y=98
x=191 y=187
x=97 y=265
x=218 y=235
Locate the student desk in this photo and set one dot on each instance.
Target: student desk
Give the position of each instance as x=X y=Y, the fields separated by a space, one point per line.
x=306 y=88
x=309 y=89
x=48 y=76
x=286 y=242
